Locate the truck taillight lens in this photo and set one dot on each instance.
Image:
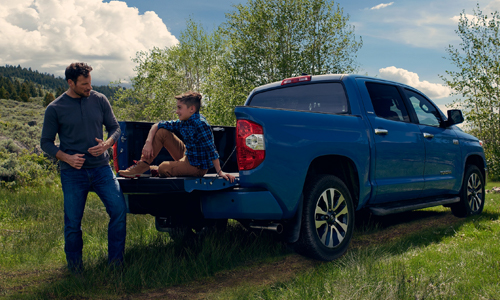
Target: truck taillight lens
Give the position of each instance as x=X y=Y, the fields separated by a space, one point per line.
x=115 y=157
x=250 y=145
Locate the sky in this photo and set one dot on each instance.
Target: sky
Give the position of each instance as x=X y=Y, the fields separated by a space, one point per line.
x=403 y=40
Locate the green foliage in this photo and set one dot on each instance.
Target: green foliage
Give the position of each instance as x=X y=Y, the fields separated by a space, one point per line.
x=478 y=78
x=19 y=168
x=276 y=39
x=164 y=73
x=260 y=42
x=21 y=161
x=156 y=83
x=49 y=97
x=21 y=122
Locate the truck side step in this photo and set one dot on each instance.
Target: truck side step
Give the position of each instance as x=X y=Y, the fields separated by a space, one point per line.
x=393 y=208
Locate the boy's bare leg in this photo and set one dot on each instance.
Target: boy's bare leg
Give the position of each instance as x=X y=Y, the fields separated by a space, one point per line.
x=162 y=138
x=165 y=138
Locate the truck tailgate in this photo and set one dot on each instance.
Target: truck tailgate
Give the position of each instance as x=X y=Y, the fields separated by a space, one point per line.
x=157 y=185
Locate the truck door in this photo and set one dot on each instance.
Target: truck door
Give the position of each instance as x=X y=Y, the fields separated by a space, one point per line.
x=443 y=155
x=398 y=157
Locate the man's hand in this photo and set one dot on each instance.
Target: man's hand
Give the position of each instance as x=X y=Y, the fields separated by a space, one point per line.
x=75 y=160
x=99 y=149
x=226 y=176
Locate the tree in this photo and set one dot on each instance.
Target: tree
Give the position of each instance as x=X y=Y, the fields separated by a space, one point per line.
x=478 y=78
x=270 y=40
x=49 y=97
x=274 y=39
x=164 y=73
x=261 y=42
x=24 y=97
x=3 y=93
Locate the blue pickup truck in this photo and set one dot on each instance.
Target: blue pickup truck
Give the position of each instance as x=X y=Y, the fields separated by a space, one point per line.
x=309 y=152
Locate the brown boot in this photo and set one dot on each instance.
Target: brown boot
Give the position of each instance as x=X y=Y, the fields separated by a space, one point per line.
x=154 y=171
x=136 y=170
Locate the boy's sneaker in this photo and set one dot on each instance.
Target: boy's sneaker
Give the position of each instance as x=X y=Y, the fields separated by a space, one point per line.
x=136 y=170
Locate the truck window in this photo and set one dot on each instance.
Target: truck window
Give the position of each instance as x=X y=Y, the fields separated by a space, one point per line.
x=317 y=97
x=387 y=102
x=427 y=114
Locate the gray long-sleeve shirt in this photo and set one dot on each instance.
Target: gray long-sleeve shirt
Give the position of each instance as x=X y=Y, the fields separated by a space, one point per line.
x=78 y=121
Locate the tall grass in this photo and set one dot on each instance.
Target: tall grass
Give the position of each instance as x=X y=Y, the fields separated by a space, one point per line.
x=32 y=264
x=461 y=261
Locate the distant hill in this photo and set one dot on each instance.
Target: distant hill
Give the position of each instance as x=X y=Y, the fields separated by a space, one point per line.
x=38 y=83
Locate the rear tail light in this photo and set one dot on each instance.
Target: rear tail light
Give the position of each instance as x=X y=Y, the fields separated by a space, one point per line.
x=115 y=157
x=481 y=143
x=249 y=144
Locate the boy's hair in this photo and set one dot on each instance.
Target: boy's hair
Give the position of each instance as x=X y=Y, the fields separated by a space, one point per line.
x=190 y=98
x=76 y=69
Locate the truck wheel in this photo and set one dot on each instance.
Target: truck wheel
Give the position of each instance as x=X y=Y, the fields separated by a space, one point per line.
x=327 y=219
x=471 y=194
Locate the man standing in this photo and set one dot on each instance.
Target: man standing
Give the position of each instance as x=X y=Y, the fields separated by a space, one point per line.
x=77 y=116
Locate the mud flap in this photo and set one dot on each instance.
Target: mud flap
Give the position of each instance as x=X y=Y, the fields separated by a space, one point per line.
x=291 y=233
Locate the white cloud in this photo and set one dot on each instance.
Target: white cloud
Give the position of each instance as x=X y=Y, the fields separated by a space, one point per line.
x=47 y=35
x=382 y=5
x=471 y=18
x=431 y=90
x=492 y=6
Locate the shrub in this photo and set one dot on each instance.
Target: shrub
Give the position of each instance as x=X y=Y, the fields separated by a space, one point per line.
x=19 y=168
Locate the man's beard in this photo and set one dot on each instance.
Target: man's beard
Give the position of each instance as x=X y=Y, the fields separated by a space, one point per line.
x=82 y=94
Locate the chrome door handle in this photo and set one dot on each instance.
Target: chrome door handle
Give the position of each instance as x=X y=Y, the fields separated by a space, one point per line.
x=381 y=131
x=428 y=135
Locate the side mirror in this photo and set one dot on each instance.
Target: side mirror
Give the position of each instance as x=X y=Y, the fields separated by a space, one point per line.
x=454 y=117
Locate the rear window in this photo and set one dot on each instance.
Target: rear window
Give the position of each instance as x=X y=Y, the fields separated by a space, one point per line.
x=319 y=97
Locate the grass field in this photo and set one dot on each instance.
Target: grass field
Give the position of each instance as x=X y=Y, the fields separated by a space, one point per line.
x=425 y=254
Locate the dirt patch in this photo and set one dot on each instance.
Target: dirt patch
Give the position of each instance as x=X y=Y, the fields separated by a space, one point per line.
x=22 y=281
x=391 y=228
x=259 y=274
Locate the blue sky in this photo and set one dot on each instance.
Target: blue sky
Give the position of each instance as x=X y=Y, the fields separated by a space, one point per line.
x=402 y=40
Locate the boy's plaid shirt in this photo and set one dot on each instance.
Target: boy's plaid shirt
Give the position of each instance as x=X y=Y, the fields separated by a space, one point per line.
x=198 y=138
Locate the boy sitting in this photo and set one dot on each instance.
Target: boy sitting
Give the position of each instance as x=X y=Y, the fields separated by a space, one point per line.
x=193 y=158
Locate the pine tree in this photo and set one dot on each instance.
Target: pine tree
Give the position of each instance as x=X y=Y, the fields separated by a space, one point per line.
x=49 y=97
x=24 y=97
x=3 y=93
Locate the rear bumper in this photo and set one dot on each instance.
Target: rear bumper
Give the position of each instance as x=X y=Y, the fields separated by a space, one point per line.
x=241 y=203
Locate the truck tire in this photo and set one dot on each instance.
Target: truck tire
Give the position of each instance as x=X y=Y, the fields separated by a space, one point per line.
x=327 y=219
x=471 y=195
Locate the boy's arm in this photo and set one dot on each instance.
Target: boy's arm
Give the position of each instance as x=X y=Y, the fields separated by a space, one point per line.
x=221 y=173
x=147 y=150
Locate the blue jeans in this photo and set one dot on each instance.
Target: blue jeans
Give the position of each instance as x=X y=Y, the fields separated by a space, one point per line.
x=76 y=185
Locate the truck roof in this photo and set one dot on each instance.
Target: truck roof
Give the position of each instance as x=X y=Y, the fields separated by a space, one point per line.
x=327 y=77
x=330 y=77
